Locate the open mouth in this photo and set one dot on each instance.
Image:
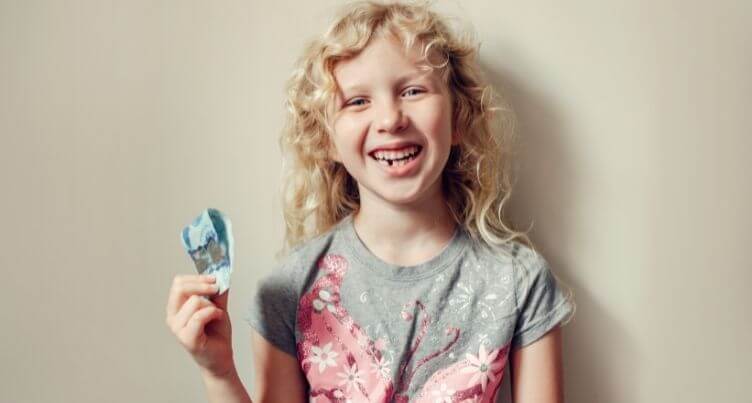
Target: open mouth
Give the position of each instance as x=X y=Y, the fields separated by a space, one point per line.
x=397 y=158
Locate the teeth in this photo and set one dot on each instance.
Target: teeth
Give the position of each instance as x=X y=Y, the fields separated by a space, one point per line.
x=393 y=155
x=396 y=163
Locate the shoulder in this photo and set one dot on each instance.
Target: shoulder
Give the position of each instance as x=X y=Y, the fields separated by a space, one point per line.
x=292 y=270
x=525 y=266
x=512 y=257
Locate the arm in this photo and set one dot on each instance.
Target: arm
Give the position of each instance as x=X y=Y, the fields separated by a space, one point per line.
x=225 y=389
x=278 y=375
x=537 y=370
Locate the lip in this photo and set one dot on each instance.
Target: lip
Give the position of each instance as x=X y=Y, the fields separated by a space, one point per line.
x=404 y=170
x=394 y=146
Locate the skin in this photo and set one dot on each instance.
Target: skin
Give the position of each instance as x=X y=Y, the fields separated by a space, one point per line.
x=403 y=221
x=536 y=370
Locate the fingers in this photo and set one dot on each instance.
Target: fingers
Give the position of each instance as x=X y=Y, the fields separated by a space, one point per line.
x=189 y=308
x=192 y=335
x=183 y=286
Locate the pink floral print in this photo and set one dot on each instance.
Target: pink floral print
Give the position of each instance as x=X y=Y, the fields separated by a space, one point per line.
x=342 y=364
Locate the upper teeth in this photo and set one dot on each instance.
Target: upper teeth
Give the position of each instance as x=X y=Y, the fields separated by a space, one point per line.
x=391 y=155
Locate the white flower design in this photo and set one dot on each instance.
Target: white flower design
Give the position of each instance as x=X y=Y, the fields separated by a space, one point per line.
x=324 y=300
x=339 y=394
x=381 y=366
x=324 y=356
x=350 y=377
x=482 y=367
x=443 y=394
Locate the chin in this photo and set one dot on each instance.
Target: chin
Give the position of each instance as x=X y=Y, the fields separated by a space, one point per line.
x=396 y=197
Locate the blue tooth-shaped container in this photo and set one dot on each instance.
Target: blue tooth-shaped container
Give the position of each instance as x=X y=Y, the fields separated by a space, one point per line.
x=208 y=241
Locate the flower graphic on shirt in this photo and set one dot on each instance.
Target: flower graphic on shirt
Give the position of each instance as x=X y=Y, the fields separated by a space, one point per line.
x=324 y=300
x=442 y=394
x=324 y=356
x=482 y=367
x=350 y=377
x=339 y=394
x=381 y=366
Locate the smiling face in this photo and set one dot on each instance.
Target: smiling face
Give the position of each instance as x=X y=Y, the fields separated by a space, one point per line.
x=392 y=124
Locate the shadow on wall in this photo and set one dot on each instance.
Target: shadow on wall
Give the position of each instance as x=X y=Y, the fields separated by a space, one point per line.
x=544 y=191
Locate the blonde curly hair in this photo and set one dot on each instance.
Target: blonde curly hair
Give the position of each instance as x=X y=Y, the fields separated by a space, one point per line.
x=477 y=180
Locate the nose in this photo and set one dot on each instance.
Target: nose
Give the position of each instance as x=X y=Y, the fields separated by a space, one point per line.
x=390 y=118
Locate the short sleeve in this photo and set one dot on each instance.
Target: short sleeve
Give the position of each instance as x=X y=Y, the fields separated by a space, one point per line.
x=272 y=310
x=540 y=300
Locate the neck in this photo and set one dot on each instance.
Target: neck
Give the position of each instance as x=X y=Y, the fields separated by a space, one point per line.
x=405 y=235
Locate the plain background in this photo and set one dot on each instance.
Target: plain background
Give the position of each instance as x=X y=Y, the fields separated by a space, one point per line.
x=121 y=121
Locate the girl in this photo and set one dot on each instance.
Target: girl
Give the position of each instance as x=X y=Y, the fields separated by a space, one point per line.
x=400 y=279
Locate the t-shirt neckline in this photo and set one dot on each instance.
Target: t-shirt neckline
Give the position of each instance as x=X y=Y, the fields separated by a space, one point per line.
x=389 y=271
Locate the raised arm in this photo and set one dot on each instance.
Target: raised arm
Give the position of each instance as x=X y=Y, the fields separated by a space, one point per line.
x=537 y=375
x=278 y=374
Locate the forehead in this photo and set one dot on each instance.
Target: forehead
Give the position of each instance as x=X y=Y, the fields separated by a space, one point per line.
x=384 y=58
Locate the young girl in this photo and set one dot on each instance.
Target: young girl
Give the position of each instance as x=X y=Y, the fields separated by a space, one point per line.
x=400 y=279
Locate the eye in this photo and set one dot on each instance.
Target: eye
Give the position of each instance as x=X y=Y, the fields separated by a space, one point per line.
x=354 y=101
x=418 y=90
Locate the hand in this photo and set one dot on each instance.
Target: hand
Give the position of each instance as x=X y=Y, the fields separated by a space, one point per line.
x=202 y=326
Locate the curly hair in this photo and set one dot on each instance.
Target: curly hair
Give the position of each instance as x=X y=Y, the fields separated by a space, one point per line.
x=477 y=180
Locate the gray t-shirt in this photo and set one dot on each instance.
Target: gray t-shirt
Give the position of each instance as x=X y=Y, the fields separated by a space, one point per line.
x=366 y=330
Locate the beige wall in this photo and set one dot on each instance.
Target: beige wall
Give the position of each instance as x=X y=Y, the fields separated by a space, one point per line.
x=120 y=121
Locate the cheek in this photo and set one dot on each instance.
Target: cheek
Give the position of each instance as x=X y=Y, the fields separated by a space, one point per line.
x=346 y=124
x=349 y=133
x=438 y=122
